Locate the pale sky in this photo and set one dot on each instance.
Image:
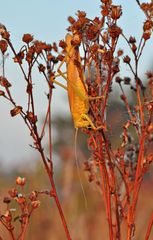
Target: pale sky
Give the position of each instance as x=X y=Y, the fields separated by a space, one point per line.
x=47 y=21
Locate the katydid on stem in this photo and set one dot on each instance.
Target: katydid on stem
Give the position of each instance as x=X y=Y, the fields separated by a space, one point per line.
x=76 y=88
x=77 y=92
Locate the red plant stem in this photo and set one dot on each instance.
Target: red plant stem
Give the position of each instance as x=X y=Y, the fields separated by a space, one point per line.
x=49 y=124
x=8 y=229
x=149 y=227
x=24 y=228
x=137 y=185
x=54 y=194
x=11 y=235
x=107 y=193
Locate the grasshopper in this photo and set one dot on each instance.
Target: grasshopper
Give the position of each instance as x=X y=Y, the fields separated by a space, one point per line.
x=77 y=92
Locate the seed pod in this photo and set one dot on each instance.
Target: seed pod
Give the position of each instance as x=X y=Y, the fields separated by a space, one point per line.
x=15 y=111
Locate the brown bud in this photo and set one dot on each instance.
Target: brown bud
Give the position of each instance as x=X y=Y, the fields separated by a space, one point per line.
x=15 y=111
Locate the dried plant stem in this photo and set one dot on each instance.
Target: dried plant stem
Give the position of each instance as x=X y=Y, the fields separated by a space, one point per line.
x=149 y=227
x=10 y=230
x=54 y=192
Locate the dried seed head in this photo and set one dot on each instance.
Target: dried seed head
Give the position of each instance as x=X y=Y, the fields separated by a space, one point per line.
x=127 y=80
x=116 y=12
x=27 y=38
x=81 y=14
x=126 y=59
x=13 y=192
x=134 y=48
x=3 y=46
x=149 y=158
x=19 y=57
x=7 y=200
x=35 y=204
x=71 y=20
x=2 y=28
x=132 y=40
x=41 y=68
x=31 y=117
x=147 y=34
x=145 y=6
x=150 y=128
x=118 y=79
x=105 y=10
x=62 y=44
x=106 y=1
x=5 y=35
x=4 y=82
x=8 y=216
x=2 y=93
x=119 y=52
x=20 y=198
x=15 y=111
x=60 y=57
x=148 y=24
x=55 y=48
x=115 y=31
x=33 y=196
x=20 y=181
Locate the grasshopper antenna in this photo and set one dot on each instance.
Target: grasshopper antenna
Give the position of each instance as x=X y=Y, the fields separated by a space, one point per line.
x=78 y=169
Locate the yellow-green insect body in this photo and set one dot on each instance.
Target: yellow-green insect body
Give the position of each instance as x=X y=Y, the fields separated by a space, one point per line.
x=77 y=92
x=78 y=99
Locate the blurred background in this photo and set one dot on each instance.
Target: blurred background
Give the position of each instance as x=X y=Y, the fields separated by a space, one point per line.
x=47 y=21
